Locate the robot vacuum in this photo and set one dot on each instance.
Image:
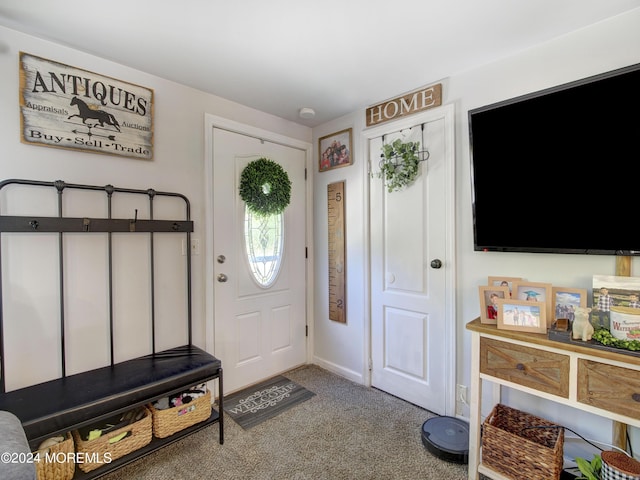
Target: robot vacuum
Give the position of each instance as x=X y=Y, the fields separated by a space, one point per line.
x=447 y=438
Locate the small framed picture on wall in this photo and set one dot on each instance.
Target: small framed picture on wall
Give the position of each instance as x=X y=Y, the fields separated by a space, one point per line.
x=334 y=150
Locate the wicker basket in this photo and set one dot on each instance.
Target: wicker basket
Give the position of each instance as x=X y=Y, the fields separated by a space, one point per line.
x=100 y=451
x=52 y=462
x=168 y=421
x=510 y=447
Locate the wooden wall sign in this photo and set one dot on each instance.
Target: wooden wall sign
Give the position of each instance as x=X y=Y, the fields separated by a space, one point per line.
x=337 y=260
x=424 y=99
x=65 y=107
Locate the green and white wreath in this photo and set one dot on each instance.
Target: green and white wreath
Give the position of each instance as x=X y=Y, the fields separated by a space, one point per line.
x=265 y=187
x=399 y=164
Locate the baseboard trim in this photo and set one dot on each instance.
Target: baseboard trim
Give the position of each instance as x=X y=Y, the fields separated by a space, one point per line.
x=339 y=370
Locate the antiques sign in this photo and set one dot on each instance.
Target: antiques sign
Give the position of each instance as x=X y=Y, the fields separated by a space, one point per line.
x=429 y=97
x=65 y=107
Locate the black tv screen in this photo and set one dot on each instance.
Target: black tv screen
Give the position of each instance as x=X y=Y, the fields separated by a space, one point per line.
x=558 y=171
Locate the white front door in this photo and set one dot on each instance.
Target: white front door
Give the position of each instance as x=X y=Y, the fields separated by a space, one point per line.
x=412 y=249
x=259 y=321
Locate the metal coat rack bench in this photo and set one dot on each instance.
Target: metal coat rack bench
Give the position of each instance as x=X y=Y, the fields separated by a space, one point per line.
x=119 y=386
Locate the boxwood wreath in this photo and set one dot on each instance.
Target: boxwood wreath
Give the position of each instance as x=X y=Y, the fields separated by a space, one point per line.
x=399 y=164
x=265 y=187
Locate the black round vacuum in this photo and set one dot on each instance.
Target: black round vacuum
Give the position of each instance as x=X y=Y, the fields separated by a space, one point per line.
x=447 y=438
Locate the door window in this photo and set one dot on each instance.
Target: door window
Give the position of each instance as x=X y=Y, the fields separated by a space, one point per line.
x=263 y=239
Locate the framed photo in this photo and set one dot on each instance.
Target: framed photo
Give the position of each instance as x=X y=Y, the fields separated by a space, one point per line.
x=335 y=150
x=503 y=282
x=534 y=292
x=613 y=291
x=522 y=315
x=489 y=297
x=565 y=300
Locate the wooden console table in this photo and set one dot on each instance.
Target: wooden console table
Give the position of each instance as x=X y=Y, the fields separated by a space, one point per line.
x=600 y=382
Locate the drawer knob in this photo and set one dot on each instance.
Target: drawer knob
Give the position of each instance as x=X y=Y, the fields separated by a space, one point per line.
x=520 y=366
x=636 y=397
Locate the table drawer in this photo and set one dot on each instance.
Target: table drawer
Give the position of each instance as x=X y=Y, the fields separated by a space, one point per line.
x=612 y=388
x=538 y=369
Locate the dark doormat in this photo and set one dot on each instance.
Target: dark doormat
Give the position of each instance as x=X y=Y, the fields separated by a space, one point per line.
x=255 y=404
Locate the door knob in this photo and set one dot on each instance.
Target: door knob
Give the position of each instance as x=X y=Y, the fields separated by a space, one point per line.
x=221 y=258
x=436 y=263
x=222 y=277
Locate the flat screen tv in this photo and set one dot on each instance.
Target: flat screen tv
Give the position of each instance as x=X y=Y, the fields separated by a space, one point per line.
x=558 y=171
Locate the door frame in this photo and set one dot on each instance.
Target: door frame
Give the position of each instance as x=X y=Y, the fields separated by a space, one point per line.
x=214 y=121
x=447 y=112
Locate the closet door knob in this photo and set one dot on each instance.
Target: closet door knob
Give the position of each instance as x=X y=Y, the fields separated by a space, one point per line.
x=437 y=263
x=222 y=277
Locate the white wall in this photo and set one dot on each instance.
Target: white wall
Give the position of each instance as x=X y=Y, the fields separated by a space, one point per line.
x=177 y=166
x=342 y=347
x=599 y=48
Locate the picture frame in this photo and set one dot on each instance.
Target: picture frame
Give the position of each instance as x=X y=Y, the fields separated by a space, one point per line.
x=566 y=299
x=522 y=315
x=489 y=308
x=500 y=281
x=621 y=291
x=534 y=292
x=335 y=150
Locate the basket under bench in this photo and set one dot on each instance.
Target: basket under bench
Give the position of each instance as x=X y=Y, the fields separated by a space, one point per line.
x=68 y=403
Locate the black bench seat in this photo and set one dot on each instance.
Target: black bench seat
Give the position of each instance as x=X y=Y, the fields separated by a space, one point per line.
x=63 y=404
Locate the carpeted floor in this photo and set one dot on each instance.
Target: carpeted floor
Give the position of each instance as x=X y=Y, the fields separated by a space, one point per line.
x=346 y=431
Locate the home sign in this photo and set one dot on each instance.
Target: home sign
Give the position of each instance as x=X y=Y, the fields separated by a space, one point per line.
x=424 y=99
x=65 y=107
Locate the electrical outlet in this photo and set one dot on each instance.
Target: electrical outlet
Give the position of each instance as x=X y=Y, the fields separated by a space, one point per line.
x=461 y=394
x=195 y=247
x=461 y=398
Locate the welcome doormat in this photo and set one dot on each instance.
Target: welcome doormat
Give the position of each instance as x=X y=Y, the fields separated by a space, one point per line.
x=254 y=405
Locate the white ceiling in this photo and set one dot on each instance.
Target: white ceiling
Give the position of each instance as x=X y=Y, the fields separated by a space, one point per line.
x=335 y=56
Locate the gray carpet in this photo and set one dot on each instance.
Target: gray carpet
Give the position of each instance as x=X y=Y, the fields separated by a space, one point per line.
x=346 y=431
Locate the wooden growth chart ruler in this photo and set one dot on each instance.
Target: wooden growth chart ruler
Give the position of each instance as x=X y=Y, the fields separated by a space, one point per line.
x=337 y=277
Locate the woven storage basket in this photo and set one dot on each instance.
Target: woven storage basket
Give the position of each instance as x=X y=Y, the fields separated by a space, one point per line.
x=168 y=421
x=516 y=451
x=52 y=462
x=99 y=451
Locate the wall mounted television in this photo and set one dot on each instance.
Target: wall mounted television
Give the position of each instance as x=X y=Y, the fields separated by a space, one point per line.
x=558 y=171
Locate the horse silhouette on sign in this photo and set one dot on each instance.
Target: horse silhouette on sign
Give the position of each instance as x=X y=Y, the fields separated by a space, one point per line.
x=86 y=112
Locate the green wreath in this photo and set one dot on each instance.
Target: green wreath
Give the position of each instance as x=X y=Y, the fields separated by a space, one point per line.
x=399 y=164
x=265 y=187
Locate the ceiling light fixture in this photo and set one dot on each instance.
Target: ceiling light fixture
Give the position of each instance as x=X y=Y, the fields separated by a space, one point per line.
x=307 y=112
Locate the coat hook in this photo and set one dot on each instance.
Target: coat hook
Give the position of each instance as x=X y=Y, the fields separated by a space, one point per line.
x=132 y=223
